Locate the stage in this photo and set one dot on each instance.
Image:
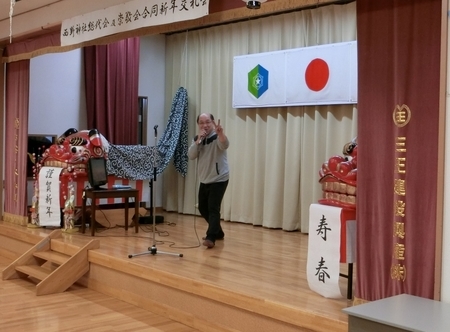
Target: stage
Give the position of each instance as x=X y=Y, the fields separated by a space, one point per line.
x=254 y=280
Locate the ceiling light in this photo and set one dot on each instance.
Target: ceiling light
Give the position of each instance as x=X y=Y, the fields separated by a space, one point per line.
x=254 y=4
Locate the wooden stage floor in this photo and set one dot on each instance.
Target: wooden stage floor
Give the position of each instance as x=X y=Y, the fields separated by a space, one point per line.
x=254 y=269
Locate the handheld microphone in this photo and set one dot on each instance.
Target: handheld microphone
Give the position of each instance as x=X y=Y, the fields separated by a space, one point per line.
x=201 y=140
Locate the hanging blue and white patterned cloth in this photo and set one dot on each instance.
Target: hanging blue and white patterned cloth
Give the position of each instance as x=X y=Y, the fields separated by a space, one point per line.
x=134 y=162
x=174 y=141
x=138 y=162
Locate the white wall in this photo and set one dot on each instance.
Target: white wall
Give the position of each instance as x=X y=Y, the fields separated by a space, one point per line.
x=57 y=97
x=151 y=85
x=445 y=276
x=152 y=80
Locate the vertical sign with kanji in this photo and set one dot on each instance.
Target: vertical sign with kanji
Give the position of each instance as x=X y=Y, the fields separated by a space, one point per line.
x=49 y=204
x=324 y=250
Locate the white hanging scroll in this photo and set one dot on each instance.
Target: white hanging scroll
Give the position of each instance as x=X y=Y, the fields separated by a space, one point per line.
x=323 y=265
x=129 y=16
x=49 y=205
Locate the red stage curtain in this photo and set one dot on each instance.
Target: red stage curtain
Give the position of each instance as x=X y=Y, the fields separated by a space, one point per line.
x=112 y=77
x=16 y=141
x=398 y=64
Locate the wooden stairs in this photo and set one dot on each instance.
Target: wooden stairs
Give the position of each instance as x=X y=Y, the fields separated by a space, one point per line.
x=54 y=269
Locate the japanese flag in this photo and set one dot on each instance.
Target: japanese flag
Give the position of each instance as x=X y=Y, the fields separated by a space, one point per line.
x=322 y=75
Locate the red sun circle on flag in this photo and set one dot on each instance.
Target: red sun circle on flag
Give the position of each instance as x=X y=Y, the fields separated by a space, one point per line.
x=317 y=74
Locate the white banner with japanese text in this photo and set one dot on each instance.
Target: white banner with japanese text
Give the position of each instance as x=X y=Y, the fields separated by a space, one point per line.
x=130 y=16
x=316 y=75
x=324 y=239
x=49 y=205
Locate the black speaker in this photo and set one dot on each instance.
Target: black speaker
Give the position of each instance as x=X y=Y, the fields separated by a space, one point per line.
x=149 y=219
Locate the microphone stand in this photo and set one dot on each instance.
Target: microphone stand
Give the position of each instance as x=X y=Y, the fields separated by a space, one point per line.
x=153 y=250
